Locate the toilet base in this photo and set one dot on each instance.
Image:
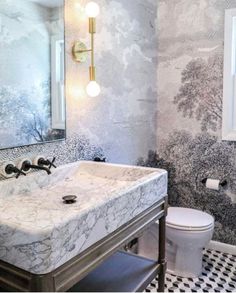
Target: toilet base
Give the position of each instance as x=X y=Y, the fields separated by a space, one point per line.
x=187 y=275
x=185 y=263
x=184 y=250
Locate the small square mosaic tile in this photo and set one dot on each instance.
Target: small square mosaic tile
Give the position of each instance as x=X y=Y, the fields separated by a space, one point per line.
x=219 y=275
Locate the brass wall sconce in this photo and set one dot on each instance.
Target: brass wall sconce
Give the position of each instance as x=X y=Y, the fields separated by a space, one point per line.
x=80 y=51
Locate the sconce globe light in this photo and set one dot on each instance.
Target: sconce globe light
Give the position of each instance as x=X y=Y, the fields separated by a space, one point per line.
x=92 y=9
x=93 y=89
x=80 y=51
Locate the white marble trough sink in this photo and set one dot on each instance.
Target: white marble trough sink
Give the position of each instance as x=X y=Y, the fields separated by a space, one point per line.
x=39 y=233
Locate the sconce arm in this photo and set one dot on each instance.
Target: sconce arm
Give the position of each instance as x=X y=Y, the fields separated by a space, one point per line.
x=83 y=51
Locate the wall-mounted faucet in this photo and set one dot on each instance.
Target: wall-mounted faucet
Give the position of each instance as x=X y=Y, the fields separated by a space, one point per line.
x=8 y=169
x=27 y=165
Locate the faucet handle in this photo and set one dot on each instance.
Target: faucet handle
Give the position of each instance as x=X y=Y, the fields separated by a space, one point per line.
x=19 y=172
x=51 y=163
x=102 y=160
x=12 y=169
x=47 y=162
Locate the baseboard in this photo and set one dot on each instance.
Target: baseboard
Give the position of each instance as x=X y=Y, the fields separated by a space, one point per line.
x=222 y=247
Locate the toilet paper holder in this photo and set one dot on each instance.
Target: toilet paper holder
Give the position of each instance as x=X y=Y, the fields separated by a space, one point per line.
x=222 y=183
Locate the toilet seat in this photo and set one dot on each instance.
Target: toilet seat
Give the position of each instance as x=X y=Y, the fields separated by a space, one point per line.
x=190 y=229
x=189 y=219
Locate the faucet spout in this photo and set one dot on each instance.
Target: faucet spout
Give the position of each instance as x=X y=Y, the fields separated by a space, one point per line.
x=41 y=168
x=26 y=166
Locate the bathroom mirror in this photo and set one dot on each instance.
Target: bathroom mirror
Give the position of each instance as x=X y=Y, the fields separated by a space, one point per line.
x=32 y=98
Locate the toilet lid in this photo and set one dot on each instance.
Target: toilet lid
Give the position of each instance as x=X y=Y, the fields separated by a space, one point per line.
x=189 y=218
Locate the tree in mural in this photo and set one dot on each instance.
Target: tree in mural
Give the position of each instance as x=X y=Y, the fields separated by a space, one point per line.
x=27 y=114
x=36 y=117
x=189 y=160
x=155 y=161
x=34 y=127
x=200 y=95
x=199 y=157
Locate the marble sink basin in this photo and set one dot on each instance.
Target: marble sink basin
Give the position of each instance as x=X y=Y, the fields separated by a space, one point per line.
x=39 y=233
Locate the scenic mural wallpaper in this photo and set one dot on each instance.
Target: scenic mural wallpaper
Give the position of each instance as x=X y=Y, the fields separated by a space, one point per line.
x=190 y=92
x=161 y=100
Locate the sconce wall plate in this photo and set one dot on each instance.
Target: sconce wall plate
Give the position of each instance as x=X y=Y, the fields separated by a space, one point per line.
x=80 y=52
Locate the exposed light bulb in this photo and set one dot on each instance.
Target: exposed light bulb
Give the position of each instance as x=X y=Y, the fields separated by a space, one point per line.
x=93 y=89
x=92 y=9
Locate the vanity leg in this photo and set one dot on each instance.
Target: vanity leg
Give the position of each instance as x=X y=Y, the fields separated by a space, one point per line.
x=42 y=283
x=162 y=258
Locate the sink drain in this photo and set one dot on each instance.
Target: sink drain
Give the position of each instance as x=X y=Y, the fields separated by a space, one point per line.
x=69 y=199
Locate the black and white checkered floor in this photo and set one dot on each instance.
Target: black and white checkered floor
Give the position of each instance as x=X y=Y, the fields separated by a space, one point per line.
x=219 y=275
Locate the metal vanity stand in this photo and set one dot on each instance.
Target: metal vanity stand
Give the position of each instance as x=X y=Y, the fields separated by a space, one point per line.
x=102 y=267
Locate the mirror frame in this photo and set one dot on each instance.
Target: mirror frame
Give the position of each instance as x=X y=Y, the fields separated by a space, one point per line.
x=229 y=92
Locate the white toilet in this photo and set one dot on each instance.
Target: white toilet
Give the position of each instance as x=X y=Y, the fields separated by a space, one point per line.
x=188 y=231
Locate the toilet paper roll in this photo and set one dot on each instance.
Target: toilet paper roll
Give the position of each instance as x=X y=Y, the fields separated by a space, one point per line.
x=213 y=184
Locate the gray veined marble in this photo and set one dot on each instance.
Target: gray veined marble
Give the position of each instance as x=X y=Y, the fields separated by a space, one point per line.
x=39 y=233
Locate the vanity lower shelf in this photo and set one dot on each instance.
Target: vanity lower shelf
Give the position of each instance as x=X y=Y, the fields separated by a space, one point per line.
x=122 y=272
